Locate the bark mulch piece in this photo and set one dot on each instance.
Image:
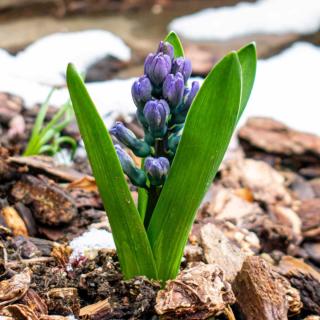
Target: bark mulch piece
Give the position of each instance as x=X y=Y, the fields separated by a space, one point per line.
x=253 y=252
x=273 y=141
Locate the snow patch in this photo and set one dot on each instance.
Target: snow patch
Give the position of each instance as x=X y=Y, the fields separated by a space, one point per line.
x=264 y=16
x=287 y=88
x=92 y=240
x=44 y=62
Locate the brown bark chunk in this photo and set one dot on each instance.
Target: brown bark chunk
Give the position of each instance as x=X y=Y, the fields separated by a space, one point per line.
x=258 y=291
x=15 y=288
x=197 y=293
x=51 y=204
x=219 y=250
x=306 y=279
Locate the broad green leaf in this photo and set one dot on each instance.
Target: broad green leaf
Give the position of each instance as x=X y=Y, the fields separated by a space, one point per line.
x=207 y=133
x=173 y=38
x=248 y=60
x=130 y=237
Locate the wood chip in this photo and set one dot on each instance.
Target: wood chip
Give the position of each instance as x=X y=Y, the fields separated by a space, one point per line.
x=19 y=312
x=259 y=293
x=44 y=164
x=197 y=293
x=96 y=311
x=51 y=204
x=219 y=250
x=32 y=300
x=265 y=183
x=15 y=288
x=13 y=221
x=86 y=183
x=305 y=278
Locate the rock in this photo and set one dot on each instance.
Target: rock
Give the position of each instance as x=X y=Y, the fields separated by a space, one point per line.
x=105 y=69
x=260 y=136
x=259 y=293
x=51 y=204
x=265 y=183
x=304 y=278
x=197 y=293
x=220 y=251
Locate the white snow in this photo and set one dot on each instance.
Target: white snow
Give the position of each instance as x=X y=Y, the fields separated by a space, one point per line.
x=111 y=98
x=264 y=16
x=92 y=240
x=44 y=62
x=287 y=88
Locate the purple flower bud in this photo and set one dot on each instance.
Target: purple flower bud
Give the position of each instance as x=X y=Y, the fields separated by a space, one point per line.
x=181 y=112
x=128 y=138
x=141 y=91
x=166 y=48
x=156 y=113
x=173 y=142
x=173 y=88
x=182 y=65
x=136 y=176
x=157 y=67
x=157 y=169
x=190 y=94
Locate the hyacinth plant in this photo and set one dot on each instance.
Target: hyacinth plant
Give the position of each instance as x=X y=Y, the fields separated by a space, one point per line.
x=187 y=131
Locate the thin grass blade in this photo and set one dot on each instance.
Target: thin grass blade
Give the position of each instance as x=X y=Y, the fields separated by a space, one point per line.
x=130 y=237
x=208 y=130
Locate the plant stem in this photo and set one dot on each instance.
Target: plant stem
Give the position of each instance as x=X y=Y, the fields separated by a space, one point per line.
x=154 y=193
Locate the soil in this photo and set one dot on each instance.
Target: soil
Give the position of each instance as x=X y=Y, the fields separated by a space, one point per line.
x=253 y=253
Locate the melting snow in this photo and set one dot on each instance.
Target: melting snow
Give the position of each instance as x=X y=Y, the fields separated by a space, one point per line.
x=264 y=16
x=94 y=239
x=44 y=62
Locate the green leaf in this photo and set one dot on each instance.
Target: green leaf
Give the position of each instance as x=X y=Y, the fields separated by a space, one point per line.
x=33 y=141
x=142 y=202
x=173 y=38
x=248 y=60
x=130 y=237
x=207 y=133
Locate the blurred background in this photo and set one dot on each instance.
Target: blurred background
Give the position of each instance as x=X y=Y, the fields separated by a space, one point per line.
x=108 y=40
